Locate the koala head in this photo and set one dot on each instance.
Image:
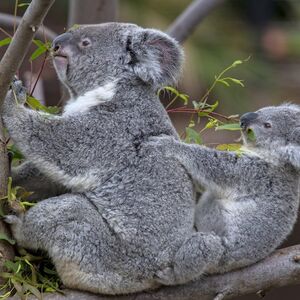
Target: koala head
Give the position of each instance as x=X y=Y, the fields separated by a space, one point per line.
x=272 y=127
x=90 y=56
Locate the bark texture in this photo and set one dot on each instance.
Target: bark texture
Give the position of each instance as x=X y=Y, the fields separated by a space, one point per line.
x=9 y=65
x=282 y=268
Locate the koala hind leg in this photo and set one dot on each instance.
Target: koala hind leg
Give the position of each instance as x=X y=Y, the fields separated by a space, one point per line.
x=197 y=255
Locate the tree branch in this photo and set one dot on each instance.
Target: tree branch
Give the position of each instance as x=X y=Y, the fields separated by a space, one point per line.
x=9 y=65
x=92 y=11
x=17 y=49
x=187 y=21
x=8 y=20
x=282 y=268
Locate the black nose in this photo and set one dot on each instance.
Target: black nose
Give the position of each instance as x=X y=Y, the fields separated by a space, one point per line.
x=247 y=119
x=60 y=41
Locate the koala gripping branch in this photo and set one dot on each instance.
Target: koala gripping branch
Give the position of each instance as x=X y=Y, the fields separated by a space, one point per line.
x=9 y=65
x=282 y=268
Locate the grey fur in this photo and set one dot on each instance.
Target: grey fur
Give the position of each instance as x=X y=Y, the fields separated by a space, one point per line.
x=251 y=199
x=129 y=209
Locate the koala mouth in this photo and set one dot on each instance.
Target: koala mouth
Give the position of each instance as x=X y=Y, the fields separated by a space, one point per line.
x=60 y=57
x=61 y=62
x=249 y=134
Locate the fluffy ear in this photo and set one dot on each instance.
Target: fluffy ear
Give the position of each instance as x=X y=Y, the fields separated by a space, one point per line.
x=154 y=57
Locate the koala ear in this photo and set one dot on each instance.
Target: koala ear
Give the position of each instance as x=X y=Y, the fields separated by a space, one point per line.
x=154 y=57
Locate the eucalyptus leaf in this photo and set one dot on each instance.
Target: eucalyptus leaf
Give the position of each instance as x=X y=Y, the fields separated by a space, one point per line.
x=232 y=126
x=4 y=237
x=5 y=41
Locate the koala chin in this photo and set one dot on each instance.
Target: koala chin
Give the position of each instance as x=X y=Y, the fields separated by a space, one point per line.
x=251 y=198
x=116 y=211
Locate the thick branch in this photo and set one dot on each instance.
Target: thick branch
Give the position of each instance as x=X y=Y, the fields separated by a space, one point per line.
x=187 y=21
x=17 y=49
x=92 y=11
x=8 y=20
x=280 y=269
x=9 y=65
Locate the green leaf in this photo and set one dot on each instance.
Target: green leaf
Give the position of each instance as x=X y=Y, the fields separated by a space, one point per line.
x=192 y=136
x=38 y=52
x=5 y=41
x=37 y=105
x=236 y=63
x=33 y=290
x=212 y=107
x=229 y=147
x=4 y=237
x=224 y=82
x=38 y=43
x=237 y=81
x=42 y=48
x=15 y=152
x=183 y=97
x=12 y=266
x=211 y=124
x=233 y=126
x=6 y=295
x=23 y=4
x=251 y=135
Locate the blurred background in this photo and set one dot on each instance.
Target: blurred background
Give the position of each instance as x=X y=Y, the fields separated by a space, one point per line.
x=267 y=31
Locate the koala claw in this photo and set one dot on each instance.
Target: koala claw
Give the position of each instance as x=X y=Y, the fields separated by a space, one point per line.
x=19 y=90
x=160 y=140
x=12 y=219
x=166 y=276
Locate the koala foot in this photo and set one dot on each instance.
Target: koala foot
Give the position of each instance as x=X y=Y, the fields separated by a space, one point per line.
x=166 y=276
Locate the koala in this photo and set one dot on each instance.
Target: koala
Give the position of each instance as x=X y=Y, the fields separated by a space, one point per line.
x=251 y=199
x=118 y=215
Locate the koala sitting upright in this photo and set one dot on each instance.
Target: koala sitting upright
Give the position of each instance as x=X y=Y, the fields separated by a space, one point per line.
x=251 y=199
x=129 y=212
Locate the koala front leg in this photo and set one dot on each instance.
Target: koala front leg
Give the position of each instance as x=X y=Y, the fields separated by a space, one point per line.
x=207 y=167
x=44 y=139
x=198 y=254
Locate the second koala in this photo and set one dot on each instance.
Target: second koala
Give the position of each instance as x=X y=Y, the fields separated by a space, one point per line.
x=251 y=199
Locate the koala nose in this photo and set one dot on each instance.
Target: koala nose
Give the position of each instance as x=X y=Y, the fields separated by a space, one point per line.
x=59 y=41
x=247 y=118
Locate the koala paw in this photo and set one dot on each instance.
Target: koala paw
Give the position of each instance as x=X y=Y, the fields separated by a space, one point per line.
x=11 y=219
x=161 y=140
x=15 y=223
x=166 y=276
x=18 y=90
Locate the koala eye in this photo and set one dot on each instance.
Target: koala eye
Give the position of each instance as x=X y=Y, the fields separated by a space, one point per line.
x=85 y=43
x=267 y=125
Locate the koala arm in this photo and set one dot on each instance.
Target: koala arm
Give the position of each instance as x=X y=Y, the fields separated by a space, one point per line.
x=44 y=140
x=206 y=166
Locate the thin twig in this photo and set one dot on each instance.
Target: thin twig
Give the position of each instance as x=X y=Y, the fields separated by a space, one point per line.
x=193 y=111
x=39 y=73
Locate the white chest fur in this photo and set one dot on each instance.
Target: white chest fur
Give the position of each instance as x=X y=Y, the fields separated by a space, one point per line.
x=90 y=99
